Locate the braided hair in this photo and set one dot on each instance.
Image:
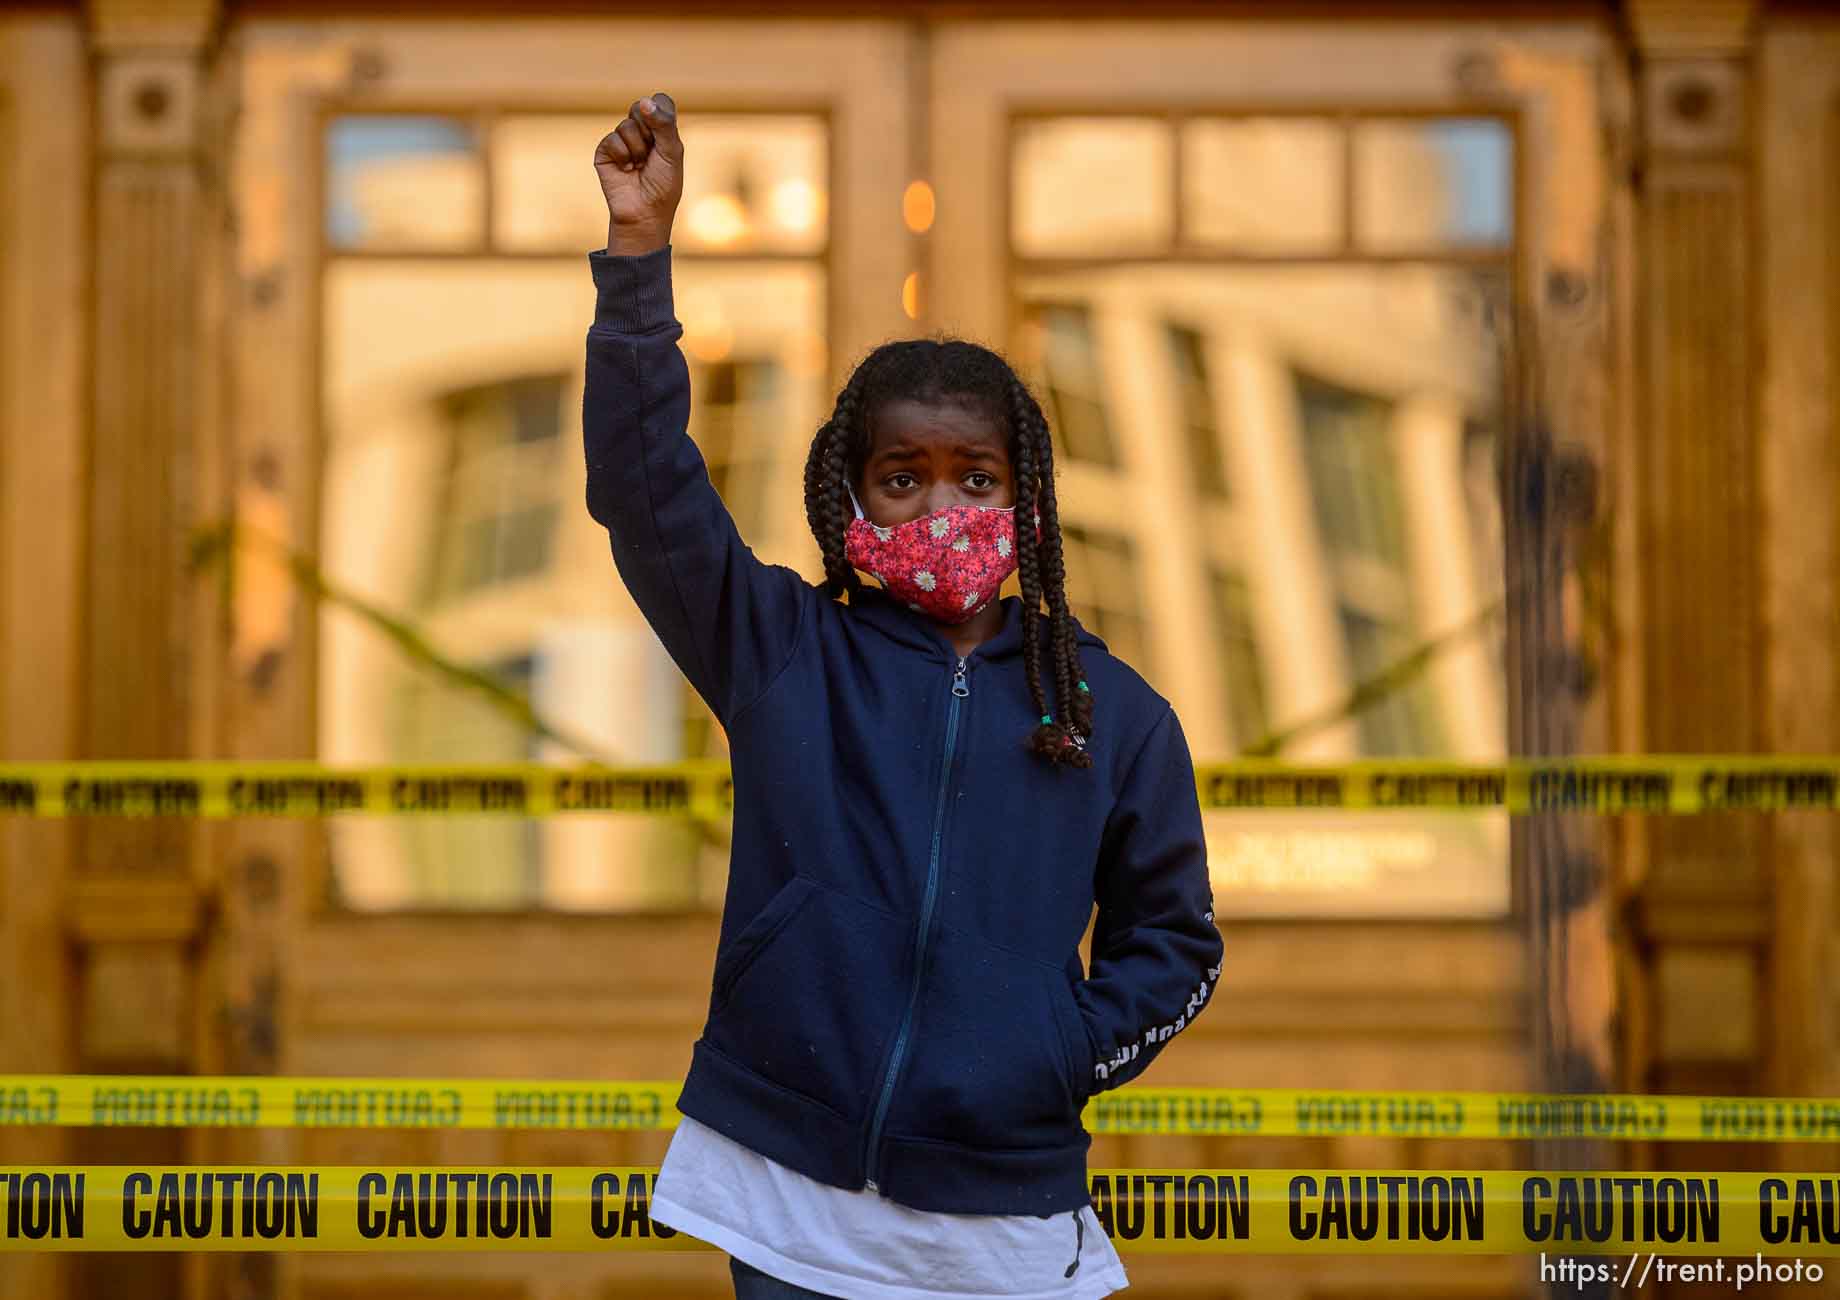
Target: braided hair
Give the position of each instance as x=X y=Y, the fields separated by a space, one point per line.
x=945 y=370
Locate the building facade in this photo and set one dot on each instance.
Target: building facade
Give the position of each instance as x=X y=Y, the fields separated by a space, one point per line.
x=1429 y=380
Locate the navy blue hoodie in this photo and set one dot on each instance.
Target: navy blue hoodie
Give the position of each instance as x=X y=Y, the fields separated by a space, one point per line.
x=898 y=1000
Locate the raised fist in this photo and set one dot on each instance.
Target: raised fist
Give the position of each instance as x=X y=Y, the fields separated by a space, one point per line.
x=641 y=166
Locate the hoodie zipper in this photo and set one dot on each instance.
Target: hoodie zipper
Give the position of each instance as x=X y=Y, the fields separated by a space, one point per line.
x=960 y=690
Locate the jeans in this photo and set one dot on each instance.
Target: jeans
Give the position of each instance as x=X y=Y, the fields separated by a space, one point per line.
x=752 y=1284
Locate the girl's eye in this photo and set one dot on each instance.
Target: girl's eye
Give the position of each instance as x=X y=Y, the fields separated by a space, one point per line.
x=990 y=481
x=894 y=480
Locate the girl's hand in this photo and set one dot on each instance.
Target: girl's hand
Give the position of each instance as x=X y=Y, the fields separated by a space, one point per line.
x=641 y=166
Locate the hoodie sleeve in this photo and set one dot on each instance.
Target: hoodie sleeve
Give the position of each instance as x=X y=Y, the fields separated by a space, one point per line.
x=1156 y=954
x=729 y=620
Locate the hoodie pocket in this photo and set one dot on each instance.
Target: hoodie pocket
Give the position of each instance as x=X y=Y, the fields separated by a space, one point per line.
x=811 y=992
x=1079 y=1046
x=992 y=1064
x=754 y=937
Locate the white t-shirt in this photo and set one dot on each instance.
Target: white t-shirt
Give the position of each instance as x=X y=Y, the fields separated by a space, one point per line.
x=864 y=1246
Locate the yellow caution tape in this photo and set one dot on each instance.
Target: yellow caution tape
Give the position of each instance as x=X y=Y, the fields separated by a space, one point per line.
x=188 y=1101
x=211 y=788
x=197 y=1101
x=1259 y=1211
x=702 y=788
x=1623 y=784
x=1283 y=1112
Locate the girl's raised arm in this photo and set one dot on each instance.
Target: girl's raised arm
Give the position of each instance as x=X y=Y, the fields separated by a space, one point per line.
x=729 y=620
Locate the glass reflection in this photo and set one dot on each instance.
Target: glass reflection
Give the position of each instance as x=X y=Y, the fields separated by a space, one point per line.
x=450 y=501
x=1187 y=356
x=1240 y=657
x=1446 y=183
x=499 y=484
x=1355 y=410
x=1102 y=588
x=1091 y=185
x=1060 y=348
x=1263 y=184
x=450 y=490
x=403 y=183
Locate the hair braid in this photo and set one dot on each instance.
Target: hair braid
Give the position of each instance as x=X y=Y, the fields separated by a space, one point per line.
x=1067 y=643
x=827 y=502
x=1028 y=570
x=943 y=370
x=1062 y=739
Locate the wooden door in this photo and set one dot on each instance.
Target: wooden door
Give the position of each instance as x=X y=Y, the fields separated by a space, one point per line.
x=393 y=408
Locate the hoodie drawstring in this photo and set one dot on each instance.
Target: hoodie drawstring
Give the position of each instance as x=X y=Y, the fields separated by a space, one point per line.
x=1079 y=1240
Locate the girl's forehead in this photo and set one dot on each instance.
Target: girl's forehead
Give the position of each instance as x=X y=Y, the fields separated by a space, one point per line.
x=906 y=420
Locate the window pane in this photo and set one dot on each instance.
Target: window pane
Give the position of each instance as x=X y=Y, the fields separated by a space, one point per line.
x=1271 y=185
x=1434 y=185
x=500 y=510
x=735 y=404
x=1481 y=470
x=1348 y=442
x=753 y=182
x=1353 y=479
x=1091 y=185
x=404 y=183
x=1188 y=360
x=1239 y=658
x=1102 y=589
x=1401 y=722
x=1059 y=347
x=451 y=500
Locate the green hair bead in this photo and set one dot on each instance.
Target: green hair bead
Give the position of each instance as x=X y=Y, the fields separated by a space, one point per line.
x=1082 y=686
x=1047 y=717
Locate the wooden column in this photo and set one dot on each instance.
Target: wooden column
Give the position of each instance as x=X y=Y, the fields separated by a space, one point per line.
x=1701 y=921
x=136 y=906
x=44 y=170
x=1798 y=69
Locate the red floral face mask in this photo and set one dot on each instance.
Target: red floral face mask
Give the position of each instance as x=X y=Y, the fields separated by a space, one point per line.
x=947 y=565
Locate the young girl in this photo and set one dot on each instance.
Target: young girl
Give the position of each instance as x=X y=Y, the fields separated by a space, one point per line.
x=933 y=787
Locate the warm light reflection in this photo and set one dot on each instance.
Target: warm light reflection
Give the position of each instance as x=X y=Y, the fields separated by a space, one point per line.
x=717 y=219
x=403 y=182
x=910 y=295
x=795 y=204
x=917 y=207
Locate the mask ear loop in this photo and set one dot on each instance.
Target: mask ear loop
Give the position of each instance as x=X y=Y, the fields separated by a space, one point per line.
x=848 y=487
